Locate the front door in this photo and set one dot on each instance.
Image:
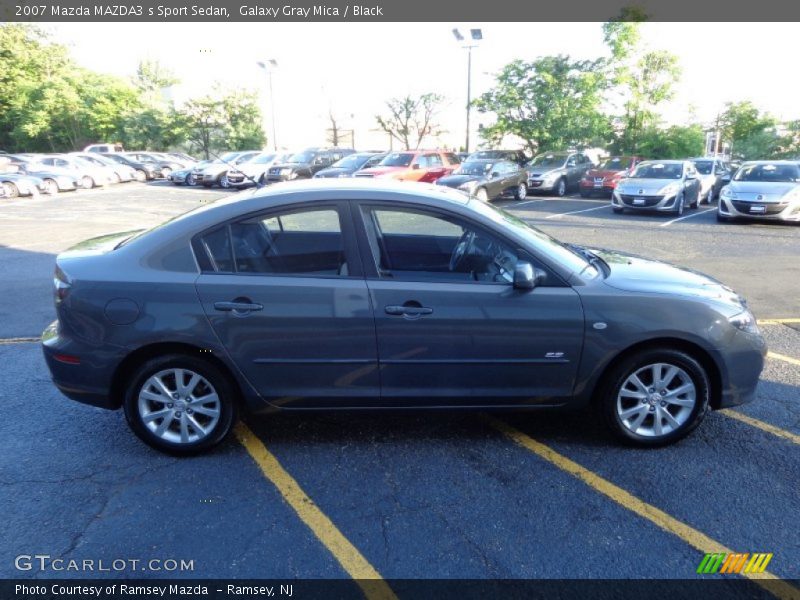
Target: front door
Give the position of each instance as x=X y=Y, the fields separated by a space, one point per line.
x=285 y=295
x=451 y=328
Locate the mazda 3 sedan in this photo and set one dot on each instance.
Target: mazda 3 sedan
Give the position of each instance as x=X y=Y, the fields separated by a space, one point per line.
x=766 y=190
x=361 y=294
x=663 y=186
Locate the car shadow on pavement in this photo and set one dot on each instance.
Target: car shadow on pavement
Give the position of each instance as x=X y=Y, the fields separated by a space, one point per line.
x=26 y=304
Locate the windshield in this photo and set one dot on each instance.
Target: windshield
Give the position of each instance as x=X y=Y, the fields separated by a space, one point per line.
x=474 y=168
x=769 y=172
x=302 y=157
x=397 y=159
x=228 y=156
x=618 y=163
x=117 y=158
x=548 y=161
x=658 y=171
x=263 y=159
x=548 y=246
x=353 y=161
x=703 y=166
x=486 y=154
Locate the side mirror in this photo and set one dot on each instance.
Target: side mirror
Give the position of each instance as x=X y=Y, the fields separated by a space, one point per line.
x=526 y=277
x=415 y=166
x=494 y=174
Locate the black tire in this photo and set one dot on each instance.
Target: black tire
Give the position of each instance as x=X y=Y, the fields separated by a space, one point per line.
x=722 y=218
x=618 y=209
x=222 y=181
x=584 y=193
x=560 y=189
x=521 y=192
x=696 y=201
x=617 y=376
x=87 y=182
x=50 y=187
x=228 y=411
x=679 y=205
x=190 y=179
x=141 y=175
x=12 y=191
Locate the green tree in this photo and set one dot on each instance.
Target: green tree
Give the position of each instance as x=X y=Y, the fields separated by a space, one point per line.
x=551 y=103
x=643 y=79
x=751 y=133
x=411 y=119
x=678 y=141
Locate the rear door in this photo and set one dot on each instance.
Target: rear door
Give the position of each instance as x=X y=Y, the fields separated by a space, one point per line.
x=285 y=294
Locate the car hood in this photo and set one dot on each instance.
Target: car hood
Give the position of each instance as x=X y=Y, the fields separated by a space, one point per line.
x=633 y=273
x=20 y=178
x=644 y=187
x=377 y=171
x=761 y=191
x=457 y=180
x=334 y=171
x=539 y=172
x=603 y=173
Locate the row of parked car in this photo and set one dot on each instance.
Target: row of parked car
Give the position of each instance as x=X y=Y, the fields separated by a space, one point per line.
x=27 y=174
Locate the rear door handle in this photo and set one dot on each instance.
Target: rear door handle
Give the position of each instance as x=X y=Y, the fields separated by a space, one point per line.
x=237 y=307
x=408 y=311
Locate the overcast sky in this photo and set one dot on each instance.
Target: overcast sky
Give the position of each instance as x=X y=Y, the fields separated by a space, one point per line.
x=352 y=67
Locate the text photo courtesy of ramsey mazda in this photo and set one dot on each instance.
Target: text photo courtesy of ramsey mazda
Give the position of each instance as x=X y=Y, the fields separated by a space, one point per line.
x=386 y=302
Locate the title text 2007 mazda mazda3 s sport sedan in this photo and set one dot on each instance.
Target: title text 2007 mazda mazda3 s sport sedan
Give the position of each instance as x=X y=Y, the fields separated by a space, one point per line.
x=354 y=294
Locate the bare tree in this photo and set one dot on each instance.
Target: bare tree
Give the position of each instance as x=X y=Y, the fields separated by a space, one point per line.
x=411 y=120
x=333 y=131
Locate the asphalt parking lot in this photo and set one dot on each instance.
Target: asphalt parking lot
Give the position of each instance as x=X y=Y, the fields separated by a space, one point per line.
x=413 y=495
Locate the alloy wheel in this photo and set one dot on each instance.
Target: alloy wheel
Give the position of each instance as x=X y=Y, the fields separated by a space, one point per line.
x=179 y=406
x=656 y=399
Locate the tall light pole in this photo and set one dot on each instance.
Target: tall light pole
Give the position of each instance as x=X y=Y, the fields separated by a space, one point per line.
x=476 y=35
x=268 y=67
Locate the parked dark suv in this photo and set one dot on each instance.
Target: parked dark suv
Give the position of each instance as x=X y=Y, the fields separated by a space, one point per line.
x=305 y=164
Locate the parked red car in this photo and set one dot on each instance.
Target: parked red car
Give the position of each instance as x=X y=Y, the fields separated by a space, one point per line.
x=604 y=178
x=413 y=165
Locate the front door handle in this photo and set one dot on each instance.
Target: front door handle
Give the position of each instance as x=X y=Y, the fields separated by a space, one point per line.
x=411 y=312
x=237 y=307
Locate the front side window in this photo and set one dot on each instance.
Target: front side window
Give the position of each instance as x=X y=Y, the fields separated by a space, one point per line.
x=411 y=245
x=307 y=243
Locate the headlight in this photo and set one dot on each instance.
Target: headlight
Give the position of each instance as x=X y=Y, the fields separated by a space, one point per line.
x=550 y=177
x=669 y=189
x=745 y=321
x=727 y=192
x=792 y=194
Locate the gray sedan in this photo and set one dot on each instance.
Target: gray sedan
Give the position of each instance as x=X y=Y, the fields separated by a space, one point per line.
x=663 y=186
x=359 y=294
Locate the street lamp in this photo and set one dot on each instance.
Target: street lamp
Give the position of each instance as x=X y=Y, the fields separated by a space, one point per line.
x=476 y=35
x=268 y=67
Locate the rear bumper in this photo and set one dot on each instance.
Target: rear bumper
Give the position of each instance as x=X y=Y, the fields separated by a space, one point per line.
x=89 y=381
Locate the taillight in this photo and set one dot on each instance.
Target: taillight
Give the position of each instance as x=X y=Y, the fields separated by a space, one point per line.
x=62 y=285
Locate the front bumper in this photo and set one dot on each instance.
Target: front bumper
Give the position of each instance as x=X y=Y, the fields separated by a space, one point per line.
x=589 y=187
x=88 y=382
x=773 y=211
x=742 y=362
x=654 y=203
x=543 y=185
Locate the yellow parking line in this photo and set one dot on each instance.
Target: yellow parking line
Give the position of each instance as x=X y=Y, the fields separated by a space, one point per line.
x=688 y=534
x=352 y=561
x=777 y=321
x=19 y=340
x=783 y=357
x=787 y=435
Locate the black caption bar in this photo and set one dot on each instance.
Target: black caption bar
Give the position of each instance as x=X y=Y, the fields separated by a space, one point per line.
x=345 y=589
x=396 y=11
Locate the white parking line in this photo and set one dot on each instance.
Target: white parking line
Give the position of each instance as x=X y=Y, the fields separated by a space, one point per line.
x=573 y=212
x=687 y=217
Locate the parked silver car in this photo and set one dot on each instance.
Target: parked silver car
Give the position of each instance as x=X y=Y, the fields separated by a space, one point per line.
x=711 y=171
x=557 y=172
x=89 y=174
x=659 y=185
x=122 y=172
x=215 y=173
x=255 y=169
x=762 y=190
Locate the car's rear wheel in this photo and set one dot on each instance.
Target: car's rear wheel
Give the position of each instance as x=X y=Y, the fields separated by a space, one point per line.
x=180 y=404
x=140 y=175
x=482 y=195
x=521 y=192
x=655 y=397
x=12 y=191
x=50 y=187
x=561 y=187
x=166 y=172
x=190 y=179
x=87 y=182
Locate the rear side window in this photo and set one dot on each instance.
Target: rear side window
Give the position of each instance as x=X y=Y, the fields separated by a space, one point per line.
x=217 y=245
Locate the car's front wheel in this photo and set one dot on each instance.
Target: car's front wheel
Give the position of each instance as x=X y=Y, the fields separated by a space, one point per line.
x=561 y=188
x=521 y=192
x=482 y=195
x=655 y=397
x=180 y=404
